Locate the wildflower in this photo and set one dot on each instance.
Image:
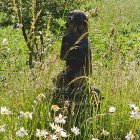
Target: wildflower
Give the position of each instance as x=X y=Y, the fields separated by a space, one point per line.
x=94 y=139
x=55 y=108
x=105 y=133
x=135 y=114
x=56 y=127
x=38 y=133
x=54 y=137
x=112 y=109
x=4 y=111
x=26 y=115
x=60 y=119
x=2 y=128
x=40 y=32
x=5 y=41
x=133 y=106
x=63 y=134
x=41 y=133
x=129 y=136
x=75 y=130
x=44 y=133
x=21 y=132
x=19 y=25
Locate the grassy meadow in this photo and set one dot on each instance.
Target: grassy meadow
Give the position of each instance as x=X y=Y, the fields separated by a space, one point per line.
x=26 y=94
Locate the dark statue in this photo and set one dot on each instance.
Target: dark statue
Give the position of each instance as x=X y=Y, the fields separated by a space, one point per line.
x=76 y=52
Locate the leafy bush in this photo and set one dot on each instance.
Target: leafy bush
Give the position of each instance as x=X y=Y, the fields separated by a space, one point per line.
x=34 y=17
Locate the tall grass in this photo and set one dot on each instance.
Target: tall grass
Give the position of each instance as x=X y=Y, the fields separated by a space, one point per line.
x=115 y=72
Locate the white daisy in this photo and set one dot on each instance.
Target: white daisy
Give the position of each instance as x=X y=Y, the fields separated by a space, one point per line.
x=22 y=132
x=26 y=115
x=4 y=111
x=135 y=114
x=129 y=136
x=105 y=133
x=63 y=134
x=60 y=119
x=133 y=106
x=2 y=128
x=75 y=130
x=54 y=137
x=56 y=127
x=112 y=109
x=41 y=133
x=38 y=133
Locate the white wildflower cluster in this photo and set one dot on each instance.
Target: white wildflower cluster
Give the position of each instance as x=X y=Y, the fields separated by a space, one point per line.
x=61 y=119
x=135 y=113
x=41 y=133
x=22 y=132
x=130 y=136
x=56 y=127
x=2 y=128
x=57 y=131
x=27 y=115
x=4 y=111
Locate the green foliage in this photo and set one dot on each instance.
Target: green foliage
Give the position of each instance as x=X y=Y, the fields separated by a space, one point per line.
x=34 y=17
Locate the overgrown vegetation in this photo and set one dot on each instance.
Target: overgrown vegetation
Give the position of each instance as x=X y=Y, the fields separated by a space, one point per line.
x=27 y=93
x=35 y=18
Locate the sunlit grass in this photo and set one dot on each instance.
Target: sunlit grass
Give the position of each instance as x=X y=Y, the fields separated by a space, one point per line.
x=26 y=94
